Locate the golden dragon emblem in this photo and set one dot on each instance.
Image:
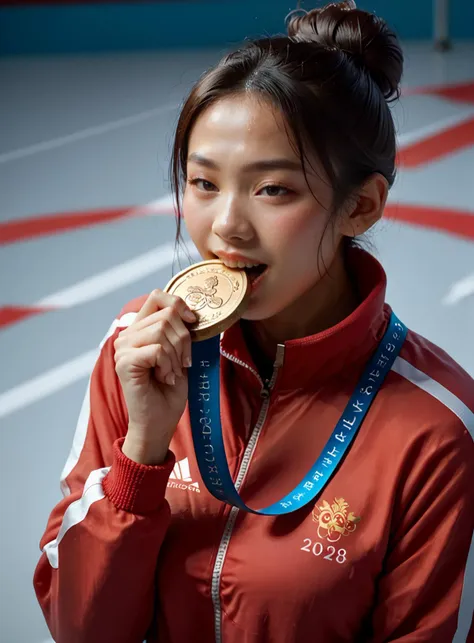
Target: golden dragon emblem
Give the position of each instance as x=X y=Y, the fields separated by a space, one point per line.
x=334 y=521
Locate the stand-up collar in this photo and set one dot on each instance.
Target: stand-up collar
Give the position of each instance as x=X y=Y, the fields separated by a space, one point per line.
x=314 y=359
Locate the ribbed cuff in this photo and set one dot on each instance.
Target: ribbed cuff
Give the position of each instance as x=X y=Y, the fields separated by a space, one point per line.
x=137 y=488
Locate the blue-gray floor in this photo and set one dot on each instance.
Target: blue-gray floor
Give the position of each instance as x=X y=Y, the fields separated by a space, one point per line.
x=85 y=133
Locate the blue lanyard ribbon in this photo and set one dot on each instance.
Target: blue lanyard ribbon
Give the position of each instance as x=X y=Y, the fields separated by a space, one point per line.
x=204 y=408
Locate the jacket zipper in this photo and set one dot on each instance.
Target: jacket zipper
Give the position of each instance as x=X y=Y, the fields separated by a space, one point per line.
x=265 y=393
x=241 y=363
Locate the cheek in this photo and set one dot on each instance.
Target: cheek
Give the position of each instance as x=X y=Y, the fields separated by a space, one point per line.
x=297 y=234
x=195 y=221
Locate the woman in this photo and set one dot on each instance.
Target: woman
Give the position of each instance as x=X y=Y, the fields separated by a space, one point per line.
x=284 y=153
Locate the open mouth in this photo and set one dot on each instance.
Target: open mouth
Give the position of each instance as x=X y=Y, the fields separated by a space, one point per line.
x=256 y=273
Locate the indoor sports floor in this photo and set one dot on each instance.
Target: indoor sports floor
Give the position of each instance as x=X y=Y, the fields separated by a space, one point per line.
x=86 y=225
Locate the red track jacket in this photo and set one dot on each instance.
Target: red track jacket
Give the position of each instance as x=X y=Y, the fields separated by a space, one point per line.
x=138 y=552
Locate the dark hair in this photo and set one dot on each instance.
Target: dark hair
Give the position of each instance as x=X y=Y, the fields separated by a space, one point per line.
x=332 y=78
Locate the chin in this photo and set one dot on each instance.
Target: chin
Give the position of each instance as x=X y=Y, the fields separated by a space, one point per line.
x=256 y=312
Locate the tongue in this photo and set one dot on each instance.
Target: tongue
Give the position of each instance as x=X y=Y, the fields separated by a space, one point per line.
x=255 y=272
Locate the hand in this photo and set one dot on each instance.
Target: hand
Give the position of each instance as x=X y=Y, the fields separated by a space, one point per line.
x=151 y=357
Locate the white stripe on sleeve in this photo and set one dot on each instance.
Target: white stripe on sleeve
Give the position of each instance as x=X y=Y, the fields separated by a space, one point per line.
x=76 y=512
x=437 y=390
x=466 y=606
x=83 y=420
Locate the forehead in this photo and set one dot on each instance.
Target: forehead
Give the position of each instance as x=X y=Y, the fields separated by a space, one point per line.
x=244 y=123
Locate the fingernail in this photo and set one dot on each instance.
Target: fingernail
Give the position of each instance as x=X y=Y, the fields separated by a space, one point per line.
x=187 y=362
x=170 y=379
x=191 y=317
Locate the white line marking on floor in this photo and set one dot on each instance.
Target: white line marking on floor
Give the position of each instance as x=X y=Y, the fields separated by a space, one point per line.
x=59 y=377
x=118 y=276
x=460 y=290
x=89 y=289
x=157 y=206
x=111 y=279
x=403 y=140
x=48 y=383
x=54 y=143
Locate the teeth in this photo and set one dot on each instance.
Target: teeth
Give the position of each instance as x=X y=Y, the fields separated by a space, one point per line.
x=239 y=264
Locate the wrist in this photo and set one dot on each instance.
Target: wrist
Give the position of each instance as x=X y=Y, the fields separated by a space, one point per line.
x=144 y=453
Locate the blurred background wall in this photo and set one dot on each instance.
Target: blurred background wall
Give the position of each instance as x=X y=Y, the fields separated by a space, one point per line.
x=64 y=26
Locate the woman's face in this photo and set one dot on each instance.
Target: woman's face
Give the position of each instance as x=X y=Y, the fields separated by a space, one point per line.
x=246 y=195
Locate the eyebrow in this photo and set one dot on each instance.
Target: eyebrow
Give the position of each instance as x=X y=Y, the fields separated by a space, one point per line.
x=258 y=166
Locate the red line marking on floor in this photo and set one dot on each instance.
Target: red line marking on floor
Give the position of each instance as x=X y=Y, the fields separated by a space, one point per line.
x=459 y=92
x=445 y=220
x=12 y=314
x=464 y=93
x=32 y=227
x=428 y=150
x=437 y=146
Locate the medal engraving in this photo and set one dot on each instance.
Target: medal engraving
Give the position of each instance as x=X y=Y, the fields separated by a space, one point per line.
x=217 y=294
x=200 y=297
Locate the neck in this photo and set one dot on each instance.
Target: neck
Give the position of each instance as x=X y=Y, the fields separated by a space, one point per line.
x=324 y=305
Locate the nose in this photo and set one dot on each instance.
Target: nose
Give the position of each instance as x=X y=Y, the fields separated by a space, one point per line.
x=232 y=224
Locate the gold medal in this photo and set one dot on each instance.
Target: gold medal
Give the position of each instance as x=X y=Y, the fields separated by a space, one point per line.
x=218 y=295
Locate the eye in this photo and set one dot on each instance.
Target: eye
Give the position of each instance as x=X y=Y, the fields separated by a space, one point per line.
x=276 y=190
x=203 y=185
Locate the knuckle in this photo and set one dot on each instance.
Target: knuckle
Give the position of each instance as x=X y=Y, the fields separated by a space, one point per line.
x=176 y=304
x=118 y=352
x=161 y=356
x=182 y=342
x=168 y=314
x=184 y=334
x=161 y=327
x=171 y=309
x=119 y=367
x=177 y=352
x=185 y=337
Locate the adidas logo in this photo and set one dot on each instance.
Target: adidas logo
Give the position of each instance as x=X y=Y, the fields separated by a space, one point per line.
x=182 y=475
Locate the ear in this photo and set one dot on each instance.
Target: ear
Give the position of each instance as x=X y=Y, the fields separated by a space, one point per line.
x=365 y=207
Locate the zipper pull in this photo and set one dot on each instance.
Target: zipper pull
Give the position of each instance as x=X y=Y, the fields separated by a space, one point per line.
x=269 y=383
x=280 y=356
x=265 y=392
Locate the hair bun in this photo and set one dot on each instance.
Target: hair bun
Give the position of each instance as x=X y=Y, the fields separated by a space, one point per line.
x=359 y=34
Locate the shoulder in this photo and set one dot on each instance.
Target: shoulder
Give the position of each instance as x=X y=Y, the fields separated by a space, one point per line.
x=428 y=437
x=438 y=392
x=124 y=318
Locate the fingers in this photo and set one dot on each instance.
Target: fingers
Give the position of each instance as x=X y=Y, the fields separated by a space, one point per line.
x=162 y=305
x=159 y=300
x=155 y=329
x=175 y=330
x=131 y=363
x=164 y=368
x=161 y=333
